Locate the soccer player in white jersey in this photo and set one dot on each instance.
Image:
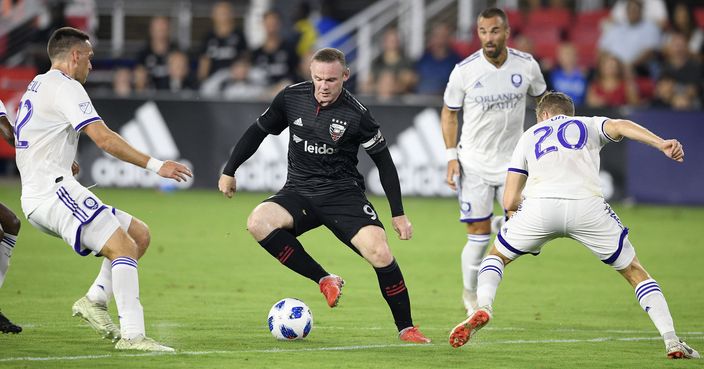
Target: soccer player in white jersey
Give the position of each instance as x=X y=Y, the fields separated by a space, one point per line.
x=53 y=111
x=553 y=190
x=9 y=227
x=491 y=87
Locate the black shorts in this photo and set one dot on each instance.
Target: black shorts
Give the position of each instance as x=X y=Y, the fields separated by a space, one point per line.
x=344 y=212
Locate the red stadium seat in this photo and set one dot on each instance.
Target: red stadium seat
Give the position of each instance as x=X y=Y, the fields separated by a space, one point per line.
x=16 y=78
x=591 y=18
x=699 y=16
x=515 y=19
x=545 y=41
x=549 y=17
x=586 y=40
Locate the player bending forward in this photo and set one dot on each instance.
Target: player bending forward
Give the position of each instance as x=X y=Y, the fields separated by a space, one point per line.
x=326 y=126
x=53 y=111
x=557 y=161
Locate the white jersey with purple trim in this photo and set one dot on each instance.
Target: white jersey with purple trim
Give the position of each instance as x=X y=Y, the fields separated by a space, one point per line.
x=3 y=111
x=560 y=156
x=494 y=102
x=51 y=114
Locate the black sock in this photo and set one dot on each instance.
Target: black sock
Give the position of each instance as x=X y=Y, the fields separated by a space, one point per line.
x=288 y=251
x=393 y=288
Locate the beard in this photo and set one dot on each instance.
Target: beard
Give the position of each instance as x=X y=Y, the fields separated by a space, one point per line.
x=493 y=54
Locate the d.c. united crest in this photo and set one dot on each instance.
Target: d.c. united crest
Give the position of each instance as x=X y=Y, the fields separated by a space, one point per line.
x=337 y=129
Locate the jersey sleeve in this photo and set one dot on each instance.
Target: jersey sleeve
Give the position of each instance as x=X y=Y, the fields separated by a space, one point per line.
x=597 y=124
x=76 y=106
x=273 y=121
x=454 y=92
x=537 y=81
x=518 y=163
x=372 y=139
x=3 y=111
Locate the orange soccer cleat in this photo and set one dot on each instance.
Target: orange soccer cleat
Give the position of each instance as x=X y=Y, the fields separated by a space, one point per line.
x=331 y=288
x=413 y=335
x=465 y=330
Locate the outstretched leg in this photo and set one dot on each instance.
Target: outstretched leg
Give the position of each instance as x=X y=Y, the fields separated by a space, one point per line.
x=652 y=300
x=490 y=273
x=371 y=243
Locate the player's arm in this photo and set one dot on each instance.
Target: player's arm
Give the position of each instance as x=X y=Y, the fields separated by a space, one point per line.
x=272 y=121
x=244 y=149
x=616 y=129
x=515 y=182
x=6 y=130
x=388 y=175
x=449 y=124
x=112 y=143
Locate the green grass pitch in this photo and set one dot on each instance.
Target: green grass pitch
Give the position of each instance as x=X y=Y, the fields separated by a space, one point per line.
x=207 y=287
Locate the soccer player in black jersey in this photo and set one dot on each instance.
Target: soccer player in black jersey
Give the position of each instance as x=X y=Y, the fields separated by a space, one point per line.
x=326 y=127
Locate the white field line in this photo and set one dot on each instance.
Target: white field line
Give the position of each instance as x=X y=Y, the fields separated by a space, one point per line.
x=334 y=348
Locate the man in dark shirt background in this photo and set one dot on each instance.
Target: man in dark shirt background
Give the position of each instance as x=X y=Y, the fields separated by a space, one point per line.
x=223 y=44
x=326 y=127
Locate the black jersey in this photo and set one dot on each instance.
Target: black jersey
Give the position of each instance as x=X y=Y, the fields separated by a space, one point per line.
x=324 y=141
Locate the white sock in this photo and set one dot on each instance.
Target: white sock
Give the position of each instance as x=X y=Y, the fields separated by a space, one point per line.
x=101 y=290
x=7 y=244
x=491 y=271
x=472 y=255
x=653 y=302
x=126 y=288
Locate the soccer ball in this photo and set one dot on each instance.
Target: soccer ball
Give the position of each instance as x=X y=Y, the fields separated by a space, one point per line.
x=290 y=319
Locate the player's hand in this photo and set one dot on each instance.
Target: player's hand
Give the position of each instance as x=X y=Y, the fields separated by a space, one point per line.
x=227 y=185
x=673 y=149
x=453 y=173
x=403 y=227
x=175 y=171
x=75 y=168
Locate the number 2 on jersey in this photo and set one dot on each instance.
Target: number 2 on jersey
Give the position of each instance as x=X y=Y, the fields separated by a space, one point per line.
x=547 y=131
x=26 y=109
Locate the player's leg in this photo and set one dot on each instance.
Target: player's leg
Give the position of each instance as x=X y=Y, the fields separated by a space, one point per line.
x=9 y=230
x=273 y=226
x=123 y=252
x=10 y=225
x=524 y=233
x=372 y=244
x=608 y=239
x=93 y=307
x=476 y=208
x=652 y=300
x=101 y=290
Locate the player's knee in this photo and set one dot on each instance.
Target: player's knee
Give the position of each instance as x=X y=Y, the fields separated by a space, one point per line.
x=13 y=225
x=379 y=257
x=258 y=226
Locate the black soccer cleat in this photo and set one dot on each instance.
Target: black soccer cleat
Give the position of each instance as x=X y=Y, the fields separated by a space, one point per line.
x=6 y=326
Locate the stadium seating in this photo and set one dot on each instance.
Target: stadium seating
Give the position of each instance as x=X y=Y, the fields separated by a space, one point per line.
x=699 y=16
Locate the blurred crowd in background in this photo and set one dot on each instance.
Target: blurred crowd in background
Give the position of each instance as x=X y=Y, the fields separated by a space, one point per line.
x=620 y=53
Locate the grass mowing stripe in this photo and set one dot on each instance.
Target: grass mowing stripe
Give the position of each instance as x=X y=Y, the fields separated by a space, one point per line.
x=334 y=348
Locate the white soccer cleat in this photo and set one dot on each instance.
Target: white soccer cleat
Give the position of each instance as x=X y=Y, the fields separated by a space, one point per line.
x=142 y=343
x=470 y=301
x=96 y=315
x=464 y=331
x=677 y=349
x=496 y=223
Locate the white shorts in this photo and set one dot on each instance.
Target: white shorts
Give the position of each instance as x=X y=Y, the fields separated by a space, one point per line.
x=78 y=217
x=476 y=197
x=588 y=221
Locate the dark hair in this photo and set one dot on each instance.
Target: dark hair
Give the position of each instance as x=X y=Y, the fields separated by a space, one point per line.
x=330 y=55
x=494 y=12
x=63 y=39
x=555 y=103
